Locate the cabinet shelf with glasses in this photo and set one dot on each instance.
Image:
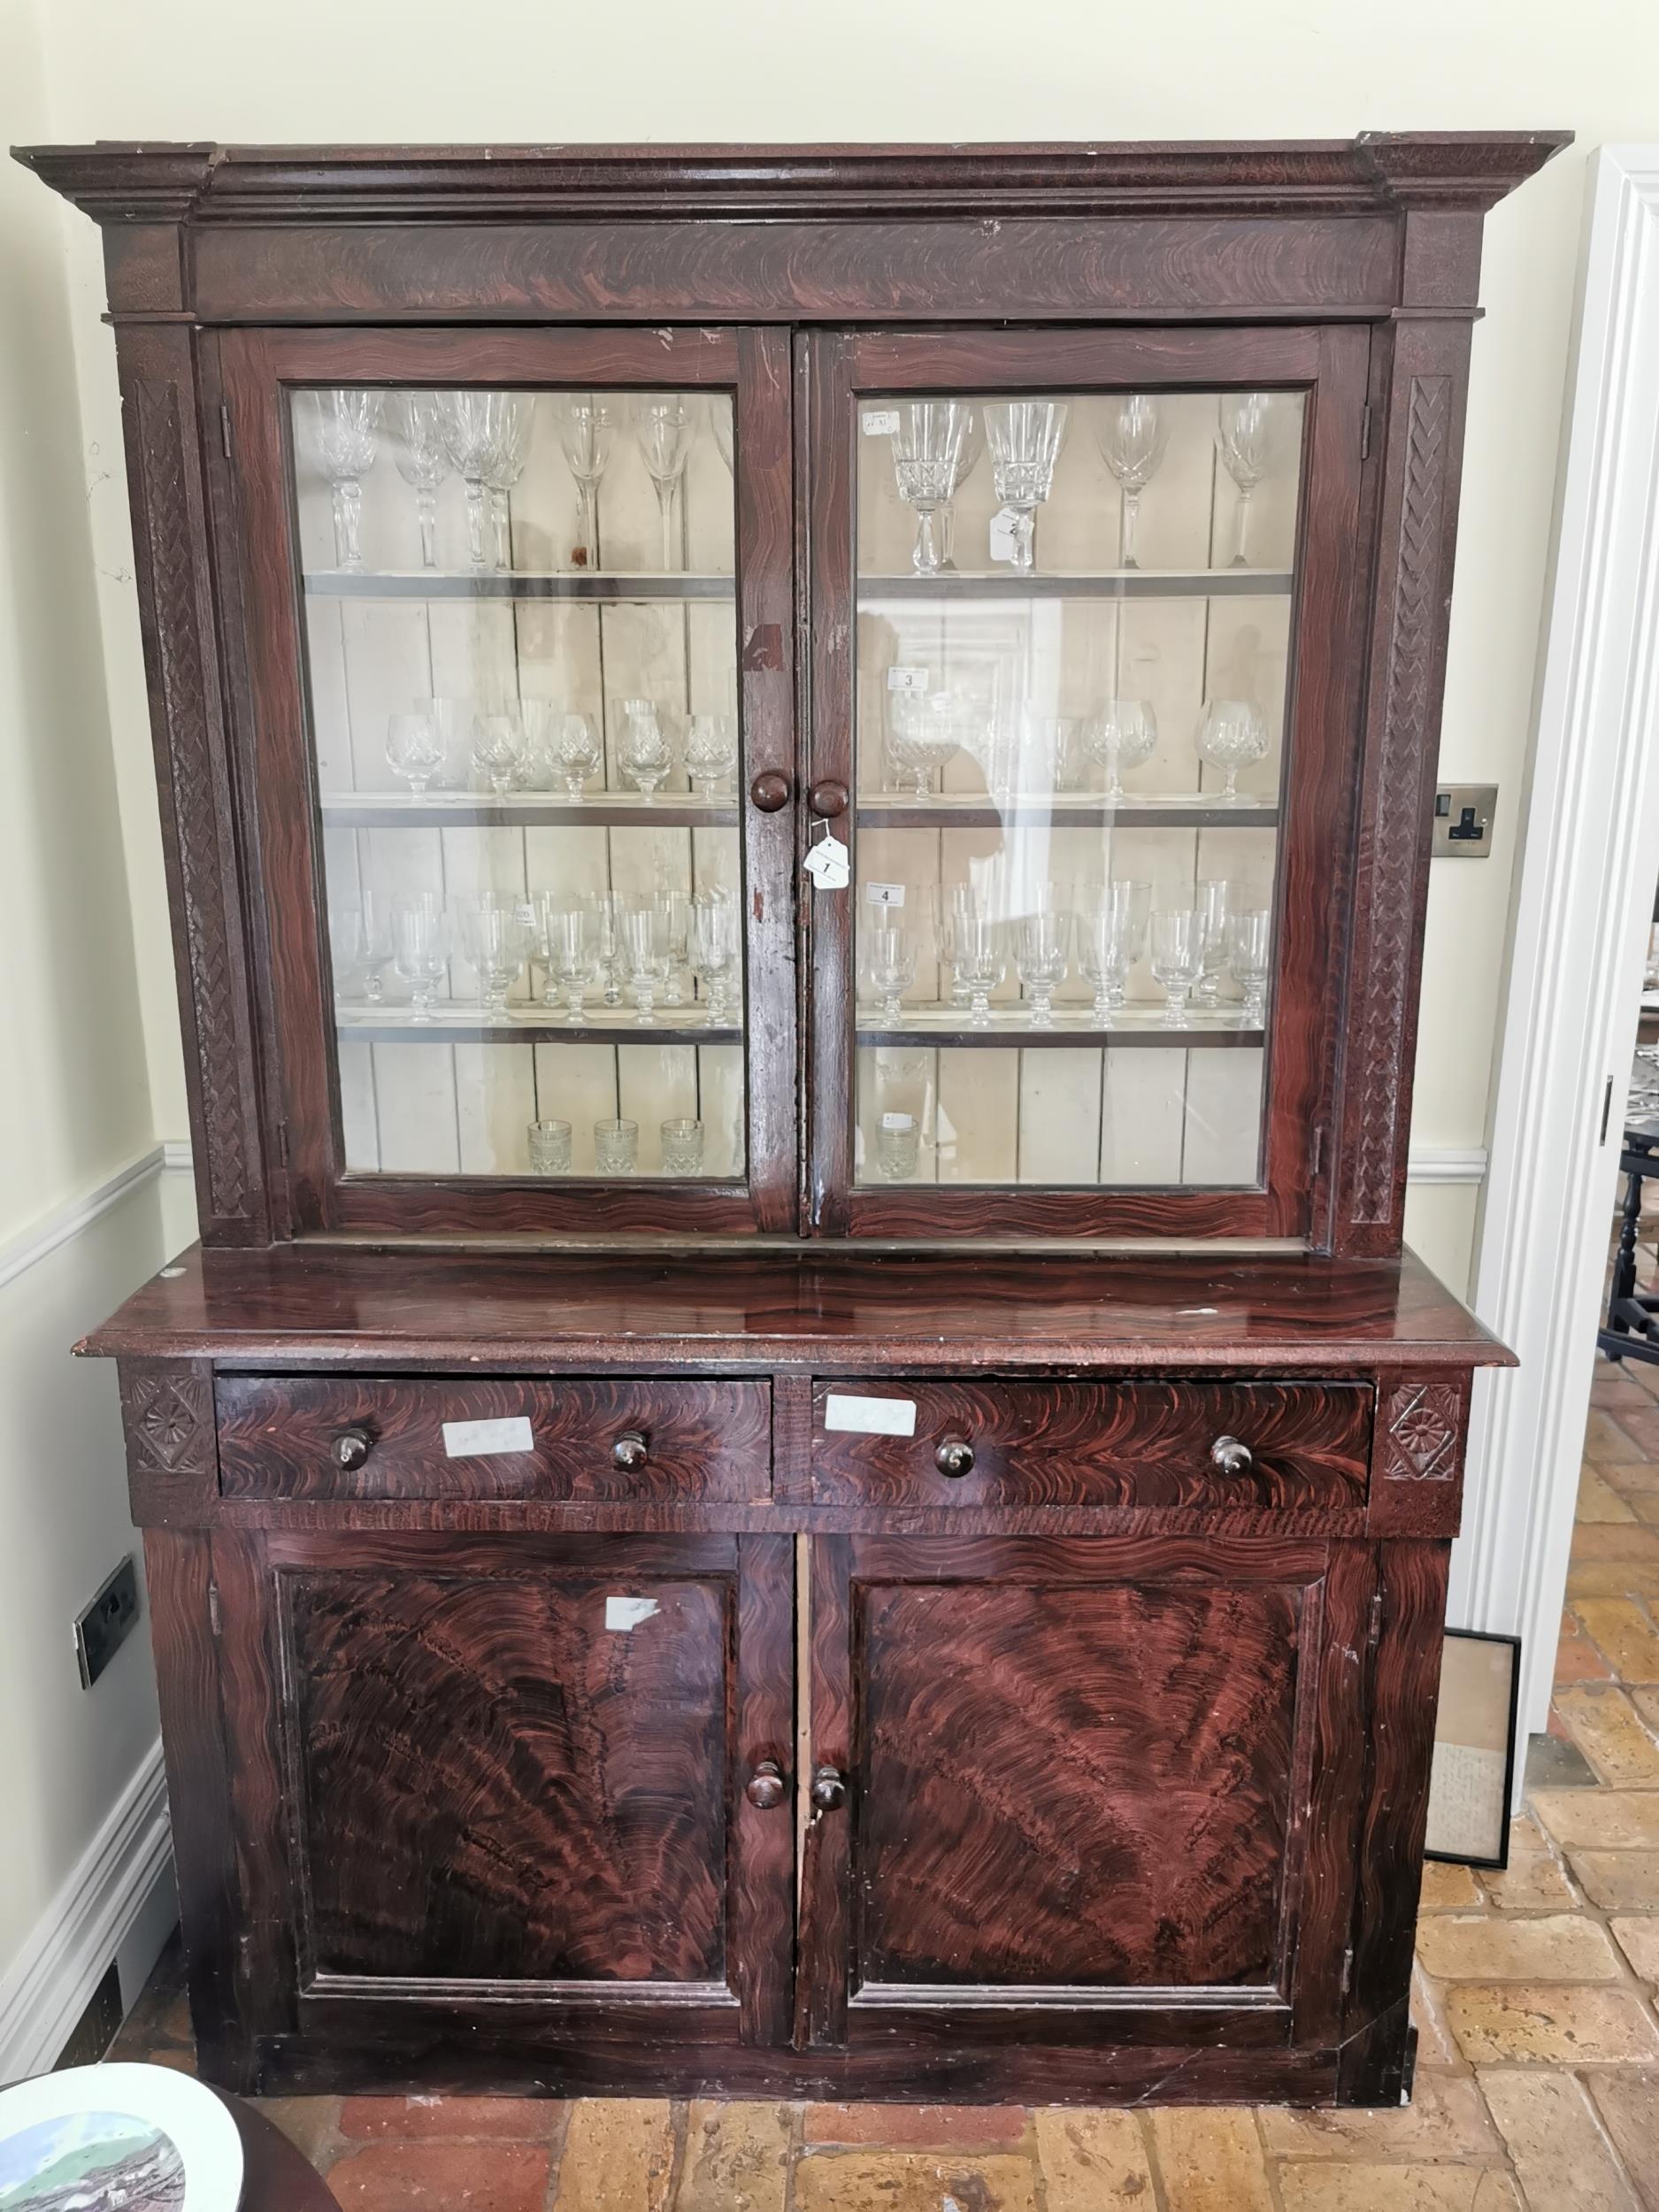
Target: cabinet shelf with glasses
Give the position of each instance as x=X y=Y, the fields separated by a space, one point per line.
x=1063 y=809
x=947 y=587
x=583 y=586
x=450 y=1024
x=524 y=810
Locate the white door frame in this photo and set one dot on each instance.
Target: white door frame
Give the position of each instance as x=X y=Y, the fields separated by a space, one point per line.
x=1582 y=903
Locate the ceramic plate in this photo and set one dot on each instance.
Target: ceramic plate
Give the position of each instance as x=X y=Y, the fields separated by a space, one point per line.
x=116 y=2139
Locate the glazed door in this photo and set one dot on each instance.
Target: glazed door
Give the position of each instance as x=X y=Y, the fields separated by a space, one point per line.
x=1085 y=1792
x=543 y=1781
x=519 y=608
x=1086 y=632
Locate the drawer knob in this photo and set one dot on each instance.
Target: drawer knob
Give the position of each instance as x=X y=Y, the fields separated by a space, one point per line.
x=770 y=791
x=953 y=1457
x=827 y=799
x=1231 y=1456
x=352 y=1448
x=829 y=1789
x=765 y=1785
x=630 y=1449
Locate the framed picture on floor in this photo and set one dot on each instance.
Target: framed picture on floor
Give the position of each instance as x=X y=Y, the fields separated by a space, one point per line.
x=1472 y=1778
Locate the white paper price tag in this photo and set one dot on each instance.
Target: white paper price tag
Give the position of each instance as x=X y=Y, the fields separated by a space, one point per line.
x=907 y=679
x=870 y=1416
x=829 y=863
x=626 y=1613
x=880 y=422
x=1004 y=534
x=883 y=893
x=477 y=1439
x=898 y=1121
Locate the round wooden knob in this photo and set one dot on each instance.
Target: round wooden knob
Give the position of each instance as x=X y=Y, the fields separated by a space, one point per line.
x=828 y=799
x=352 y=1448
x=1231 y=1456
x=765 y=1788
x=770 y=792
x=953 y=1457
x=828 y=1789
x=630 y=1450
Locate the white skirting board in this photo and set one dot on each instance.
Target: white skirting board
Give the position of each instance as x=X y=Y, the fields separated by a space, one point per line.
x=117 y=1903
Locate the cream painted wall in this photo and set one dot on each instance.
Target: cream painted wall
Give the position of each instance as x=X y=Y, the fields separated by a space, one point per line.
x=863 y=70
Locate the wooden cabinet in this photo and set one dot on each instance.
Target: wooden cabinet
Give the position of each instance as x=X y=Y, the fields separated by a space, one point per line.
x=800 y=1457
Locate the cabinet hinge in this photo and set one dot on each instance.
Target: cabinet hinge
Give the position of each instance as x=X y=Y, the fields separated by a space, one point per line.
x=1373 y=1634
x=213 y=1619
x=1347 y=1970
x=1317 y=1153
x=1364 y=434
x=282 y=1142
x=224 y=427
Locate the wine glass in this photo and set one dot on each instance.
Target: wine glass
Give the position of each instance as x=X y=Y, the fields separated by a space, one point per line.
x=664 y=425
x=1111 y=936
x=711 y=750
x=642 y=954
x=1123 y=734
x=498 y=750
x=924 y=732
x=413 y=749
x=368 y=942
x=1178 y=959
x=452 y=718
x=573 y=749
x=570 y=952
x=643 y=748
x=1042 y=948
x=497 y=935
x=1249 y=937
x=421 y=948
x=978 y=958
x=720 y=423
x=423 y=462
x=926 y=457
x=471 y=423
x=346 y=424
x=714 y=951
x=509 y=449
x=1131 y=438
x=673 y=926
x=967 y=461
x=890 y=957
x=1244 y=439
x=1024 y=436
x=586 y=430
x=1213 y=902
x=1232 y=733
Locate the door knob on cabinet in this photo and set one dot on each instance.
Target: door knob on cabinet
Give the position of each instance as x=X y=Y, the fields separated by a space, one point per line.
x=954 y=1456
x=829 y=1788
x=352 y=1448
x=770 y=792
x=765 y=1788
x=630 y=1449
x=828 y=798
x=1231 y=1456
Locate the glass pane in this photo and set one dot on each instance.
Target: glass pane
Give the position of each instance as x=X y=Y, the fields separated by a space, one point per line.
x=1073 y=643
x=521 y=635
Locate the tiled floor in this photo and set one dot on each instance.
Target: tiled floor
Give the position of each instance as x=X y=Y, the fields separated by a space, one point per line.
x=1537 y=2079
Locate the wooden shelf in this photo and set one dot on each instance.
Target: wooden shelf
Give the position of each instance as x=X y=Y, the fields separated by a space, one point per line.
x=616 y=589
x=1010 y=1030
x=1070 y=809
x=524 y=810
x=1106 y=583
x=463 y=1025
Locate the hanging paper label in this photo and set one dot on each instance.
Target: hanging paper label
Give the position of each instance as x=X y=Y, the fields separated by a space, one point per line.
x=880 y=422
x=907 y=679
x=829 y=863
x=885 y=893
x=476 y=1440
x=870 y=1416
x=1004 y=534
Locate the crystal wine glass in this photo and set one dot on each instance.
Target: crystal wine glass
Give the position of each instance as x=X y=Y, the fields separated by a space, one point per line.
x=413 y=749
x=711 y=751
x=643 y=953
x=1111 y=936
x=573 y=749
x=1232 y=733
x=890 y=957
x=1123 y=734
x=924 y=732
x=570 y=954
x=361 y=937
x=1213 y=902
x=497 y=935
x=1249 y=937
x=683 y=1145
x=549 y=1148
x=346 y=424
x=586 y=429
x=423 y=462
x=472 y=423
x=452 y=716
x=926 y=457
x=1024 y=436
x=1042 y=948
x=1178 y=959
x=509 y=449
x=616 y=1147
x=1131 y=438
x=1244 y=439
x=673 y=927
x=714 y=951
x=720 y=423
x=605 y=934
x=967 y=461
x=978 y=958
x=420 y=949
x=498 y=750
x=643 y=748
x=665 y=424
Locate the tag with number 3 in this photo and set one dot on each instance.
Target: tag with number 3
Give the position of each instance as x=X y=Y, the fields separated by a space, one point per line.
x=828 y=863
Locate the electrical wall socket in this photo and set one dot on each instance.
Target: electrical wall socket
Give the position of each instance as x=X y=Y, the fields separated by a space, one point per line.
x=107 y=1622
x=1462 y=820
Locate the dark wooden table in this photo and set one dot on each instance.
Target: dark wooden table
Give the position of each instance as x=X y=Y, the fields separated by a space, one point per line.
x=276 y=2178
x=1632 y=1328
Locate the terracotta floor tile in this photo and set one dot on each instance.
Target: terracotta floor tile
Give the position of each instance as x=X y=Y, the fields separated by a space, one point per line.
x=443 y=2177
x=309 y=2122
x=1445 y=2122
x=1604 y=1441
x=1094 y=2162
x=916 y=2126
x=1611 y=1579
x=1210 y=2161
x=1560 y=2157
x=1599 y=1540
x=1488 y=1947
x=618 y=2156
x=1637 y=1935
x=737 y=2158
x=1555 y=2023
x=1619 y=1881
x=1629 y=2104
x=1623 y=1629
x=1642 y=1430
x=1630 y=1478
x=1612 y=1387
x=910 y=2181
x=1435 y=2043
x=1534 y=1880
x=407 y=2119
x=1497 y=2193
x=1448 y=1888
x=1577 y=1658
x=1645 y=1505
x=1605 y=1820
x=1360 y=2188
x=1598 y=1501
x=1608 y=1728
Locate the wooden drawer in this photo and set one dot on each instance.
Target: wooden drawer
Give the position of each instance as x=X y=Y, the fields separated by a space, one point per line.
x=354 y=1437
x=1117 y=1445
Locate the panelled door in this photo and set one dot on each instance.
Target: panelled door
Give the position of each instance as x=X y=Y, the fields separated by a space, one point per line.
x=519 y=615
x=1082 y=1792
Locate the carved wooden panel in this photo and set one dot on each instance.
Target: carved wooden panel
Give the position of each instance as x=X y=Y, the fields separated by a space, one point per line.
x=1417 y=1477
x=167 y=1415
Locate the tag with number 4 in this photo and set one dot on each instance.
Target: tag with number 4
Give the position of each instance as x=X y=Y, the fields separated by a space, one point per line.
x=829 y=863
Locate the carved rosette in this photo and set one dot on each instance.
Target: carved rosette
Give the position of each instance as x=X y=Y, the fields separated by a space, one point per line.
x=168 y=1413
x=1417 y=1458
